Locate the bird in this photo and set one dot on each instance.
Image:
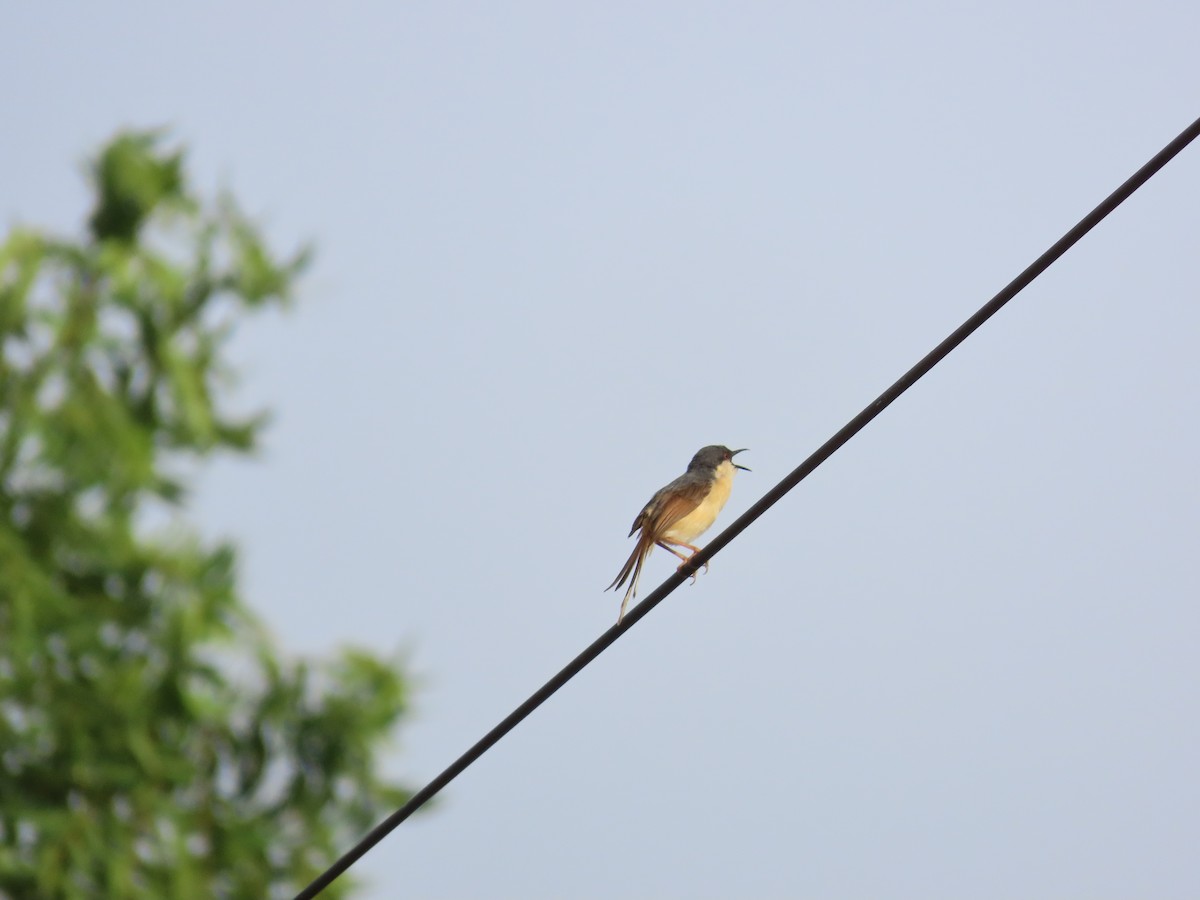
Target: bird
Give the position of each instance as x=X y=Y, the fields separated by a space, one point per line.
x=679 y=513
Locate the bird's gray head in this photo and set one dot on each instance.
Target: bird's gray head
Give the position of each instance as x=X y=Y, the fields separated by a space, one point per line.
x=712 y=456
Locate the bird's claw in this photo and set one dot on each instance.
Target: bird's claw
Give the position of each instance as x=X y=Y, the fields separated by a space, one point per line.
x=694 y=574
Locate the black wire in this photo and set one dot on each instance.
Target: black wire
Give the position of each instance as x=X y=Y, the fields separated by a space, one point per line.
x=851 y=428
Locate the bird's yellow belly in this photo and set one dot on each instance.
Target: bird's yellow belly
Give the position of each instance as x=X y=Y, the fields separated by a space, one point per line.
x=701 y=518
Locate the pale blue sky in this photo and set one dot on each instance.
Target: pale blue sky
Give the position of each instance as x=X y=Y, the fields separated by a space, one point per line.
x=561 y=247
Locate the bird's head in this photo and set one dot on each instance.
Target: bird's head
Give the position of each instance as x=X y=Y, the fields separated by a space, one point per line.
x=712 y=456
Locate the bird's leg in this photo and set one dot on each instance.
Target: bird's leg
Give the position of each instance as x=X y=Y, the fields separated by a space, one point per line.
x=671 y=549
x=664 y=543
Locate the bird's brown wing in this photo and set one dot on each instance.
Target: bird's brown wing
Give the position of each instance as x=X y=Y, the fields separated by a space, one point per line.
x=671 y=504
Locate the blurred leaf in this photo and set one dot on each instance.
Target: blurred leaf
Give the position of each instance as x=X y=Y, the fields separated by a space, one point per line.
x=153 y=741
x=132 y=179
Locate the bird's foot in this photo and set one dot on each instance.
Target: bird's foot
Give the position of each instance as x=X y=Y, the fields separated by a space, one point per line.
x=694 y=574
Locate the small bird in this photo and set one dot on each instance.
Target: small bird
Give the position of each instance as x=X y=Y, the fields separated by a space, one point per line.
x=680 y=513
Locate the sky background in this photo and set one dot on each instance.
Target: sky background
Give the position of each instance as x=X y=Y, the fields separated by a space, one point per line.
x=560 y=247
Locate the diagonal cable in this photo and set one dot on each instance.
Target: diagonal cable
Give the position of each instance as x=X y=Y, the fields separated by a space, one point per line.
x=822 y=453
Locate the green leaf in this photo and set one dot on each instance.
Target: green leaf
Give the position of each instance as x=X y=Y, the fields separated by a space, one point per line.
x=155 y=743
x=133 y=178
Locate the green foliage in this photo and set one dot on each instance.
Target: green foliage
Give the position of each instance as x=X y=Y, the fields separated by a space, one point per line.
x=152 y=741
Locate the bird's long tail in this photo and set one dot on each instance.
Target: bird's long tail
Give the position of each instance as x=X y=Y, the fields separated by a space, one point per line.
x=632 y=567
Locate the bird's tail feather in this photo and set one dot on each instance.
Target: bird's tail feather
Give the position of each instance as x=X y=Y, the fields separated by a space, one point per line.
x=632 y=570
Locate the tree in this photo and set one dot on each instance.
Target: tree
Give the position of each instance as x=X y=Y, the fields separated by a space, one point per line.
x=153 y=742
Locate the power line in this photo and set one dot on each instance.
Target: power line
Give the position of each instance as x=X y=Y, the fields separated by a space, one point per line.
x=851 y=428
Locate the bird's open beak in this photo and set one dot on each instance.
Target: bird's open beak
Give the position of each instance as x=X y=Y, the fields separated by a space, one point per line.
x=735 y=453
